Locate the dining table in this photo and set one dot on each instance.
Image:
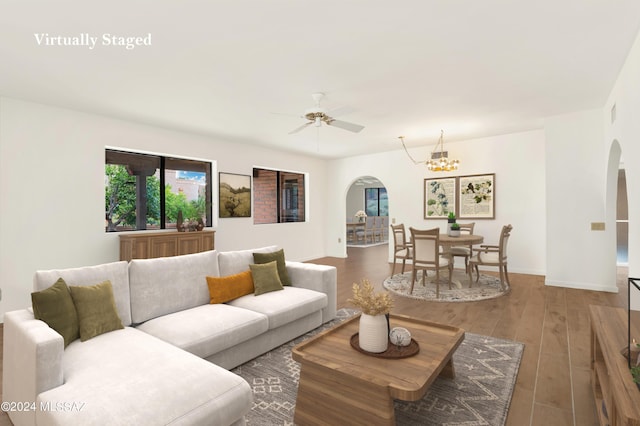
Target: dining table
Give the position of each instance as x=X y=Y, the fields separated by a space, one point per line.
x=447 y=241
x=354 y=227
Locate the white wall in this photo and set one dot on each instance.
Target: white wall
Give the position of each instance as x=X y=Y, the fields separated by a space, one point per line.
x=625 y=130
x=52 y=203
x=516 y=159
x=576 y=192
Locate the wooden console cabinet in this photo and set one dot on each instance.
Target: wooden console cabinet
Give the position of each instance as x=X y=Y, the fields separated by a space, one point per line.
x=617 y=396
x=147 y=245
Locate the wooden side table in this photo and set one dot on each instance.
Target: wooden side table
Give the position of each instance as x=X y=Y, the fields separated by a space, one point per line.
x=616 y=395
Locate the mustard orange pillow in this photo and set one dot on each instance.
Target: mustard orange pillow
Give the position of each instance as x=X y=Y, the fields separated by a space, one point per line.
x=225 y=289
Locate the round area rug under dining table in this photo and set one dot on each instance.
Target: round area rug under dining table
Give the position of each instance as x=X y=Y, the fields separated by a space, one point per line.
x=488 y=287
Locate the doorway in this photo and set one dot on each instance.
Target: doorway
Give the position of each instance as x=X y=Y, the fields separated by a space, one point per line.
x=367 y=199
x=622 y=221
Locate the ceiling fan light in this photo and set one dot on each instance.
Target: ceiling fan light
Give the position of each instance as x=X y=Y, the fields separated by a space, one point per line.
x=318 y=121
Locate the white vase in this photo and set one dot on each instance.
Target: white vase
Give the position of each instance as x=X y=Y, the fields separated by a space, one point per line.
x=373 y=334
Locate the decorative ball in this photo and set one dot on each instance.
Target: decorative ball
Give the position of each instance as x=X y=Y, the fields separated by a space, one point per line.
x=400 y=336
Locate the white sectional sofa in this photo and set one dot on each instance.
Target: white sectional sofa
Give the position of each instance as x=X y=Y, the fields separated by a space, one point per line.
x=169 y=364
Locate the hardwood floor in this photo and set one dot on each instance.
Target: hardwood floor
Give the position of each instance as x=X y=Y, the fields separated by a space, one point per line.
x=553 y=385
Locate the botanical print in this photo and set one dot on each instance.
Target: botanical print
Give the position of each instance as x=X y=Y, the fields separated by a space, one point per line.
x=477 y=196
x=439 y=197
x=479 y=192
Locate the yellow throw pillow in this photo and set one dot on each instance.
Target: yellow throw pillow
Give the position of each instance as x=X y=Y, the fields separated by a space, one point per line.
x=97 y=312
x=225 y=289
x=265 y=277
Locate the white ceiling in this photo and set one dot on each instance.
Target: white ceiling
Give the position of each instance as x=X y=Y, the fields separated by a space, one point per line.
x=244 y=70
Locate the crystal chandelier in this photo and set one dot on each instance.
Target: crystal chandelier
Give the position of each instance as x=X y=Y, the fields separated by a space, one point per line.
x=439 y=161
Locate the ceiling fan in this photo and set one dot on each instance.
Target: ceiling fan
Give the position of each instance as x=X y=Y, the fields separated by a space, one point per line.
x=318 y=115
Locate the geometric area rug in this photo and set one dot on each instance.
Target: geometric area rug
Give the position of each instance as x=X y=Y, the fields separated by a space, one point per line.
x=486 y=371
x=487 y=287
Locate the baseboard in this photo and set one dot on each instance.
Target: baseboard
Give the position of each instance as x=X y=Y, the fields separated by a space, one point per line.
x=582 y=286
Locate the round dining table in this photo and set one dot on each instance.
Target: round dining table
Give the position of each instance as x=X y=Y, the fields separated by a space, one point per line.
x=447 y=241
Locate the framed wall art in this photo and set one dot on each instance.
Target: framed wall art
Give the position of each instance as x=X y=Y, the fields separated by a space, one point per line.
x=476 y=196
x=234 y=199
x=439 y=197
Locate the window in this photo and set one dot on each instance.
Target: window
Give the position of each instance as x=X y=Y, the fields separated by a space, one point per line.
x=278 y=196
x=134 y=201
x=376 y=202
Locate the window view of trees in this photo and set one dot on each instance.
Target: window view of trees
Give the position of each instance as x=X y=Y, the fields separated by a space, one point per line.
x=134 y=201
x=121 y=196
x=376 y=202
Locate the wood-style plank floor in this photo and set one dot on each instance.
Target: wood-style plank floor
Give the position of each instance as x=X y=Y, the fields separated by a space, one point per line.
x=553 y=385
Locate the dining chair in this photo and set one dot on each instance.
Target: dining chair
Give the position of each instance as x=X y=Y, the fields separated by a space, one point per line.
x=369 y=229
x=427 y=256
x=401 y=248
x=463 y=251
x=492 y=255
x=351 y=231
x=378 y=228
x=385 y=227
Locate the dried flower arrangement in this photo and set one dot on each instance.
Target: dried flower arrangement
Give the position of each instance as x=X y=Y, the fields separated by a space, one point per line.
x=370 y=302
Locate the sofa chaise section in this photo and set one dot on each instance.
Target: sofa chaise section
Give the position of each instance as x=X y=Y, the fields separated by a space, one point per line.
x=127 y=377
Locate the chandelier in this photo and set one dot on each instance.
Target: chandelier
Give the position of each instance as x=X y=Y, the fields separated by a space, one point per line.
x=439 y=161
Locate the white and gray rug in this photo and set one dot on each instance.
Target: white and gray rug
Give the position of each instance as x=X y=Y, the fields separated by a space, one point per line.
x=480 y=394
x=488 y=287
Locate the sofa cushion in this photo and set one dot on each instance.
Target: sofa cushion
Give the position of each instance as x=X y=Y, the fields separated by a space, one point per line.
x=265 y=278
x=278 y=256
x=282 y=307
x=233 y=262
x=170 y=284
x=128 y=377
x=96 y=309
x=116 y=272
x=55 y=306
x=225 y=289
x=207 y=329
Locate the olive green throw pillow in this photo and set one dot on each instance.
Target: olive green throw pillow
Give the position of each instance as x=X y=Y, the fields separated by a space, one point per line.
x=96 y=307
x=265 y=278
x=278 y=256
x=54 y=306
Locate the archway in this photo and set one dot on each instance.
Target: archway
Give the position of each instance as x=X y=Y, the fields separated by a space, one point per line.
x=369 y=195
x=616 y=210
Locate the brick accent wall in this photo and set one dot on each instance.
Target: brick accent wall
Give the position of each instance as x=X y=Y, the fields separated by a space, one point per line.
x=265 y=197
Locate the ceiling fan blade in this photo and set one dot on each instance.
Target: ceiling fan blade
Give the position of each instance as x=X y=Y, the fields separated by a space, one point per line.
x=345 y=125
x=285 y=113
x=297 y=129
x=343 y=110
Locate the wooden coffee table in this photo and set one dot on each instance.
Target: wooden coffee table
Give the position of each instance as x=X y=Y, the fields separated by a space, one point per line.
x=340 y=385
